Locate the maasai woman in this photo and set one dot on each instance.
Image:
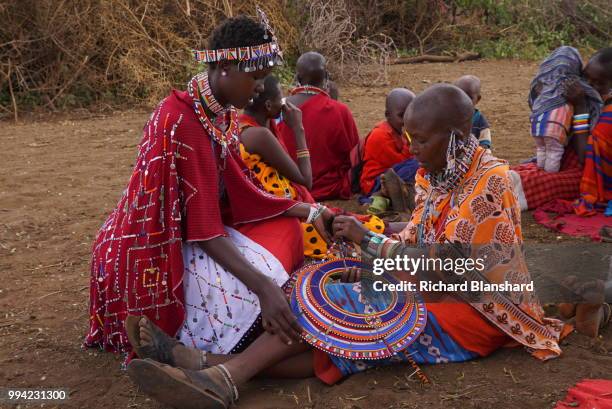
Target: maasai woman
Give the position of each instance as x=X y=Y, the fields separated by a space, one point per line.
x=266 y=155
x=464 y=197
x=560 y=126
x=194 y=244
x=596 y=182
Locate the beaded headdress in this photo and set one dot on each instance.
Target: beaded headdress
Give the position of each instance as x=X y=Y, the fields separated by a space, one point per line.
x=249 y=58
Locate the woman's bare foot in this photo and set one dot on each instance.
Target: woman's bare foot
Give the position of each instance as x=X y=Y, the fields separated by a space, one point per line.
x=593 y=313
x=151 y=337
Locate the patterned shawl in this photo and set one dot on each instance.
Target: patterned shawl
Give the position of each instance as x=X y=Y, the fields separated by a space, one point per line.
x=546 y=91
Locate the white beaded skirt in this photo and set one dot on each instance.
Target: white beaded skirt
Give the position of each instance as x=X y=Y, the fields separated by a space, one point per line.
x=220 y=308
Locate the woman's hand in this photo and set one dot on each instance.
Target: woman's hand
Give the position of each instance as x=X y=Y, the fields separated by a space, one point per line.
x=351 y=275
x=349 y=228
x=277 y=317
x=292 y=115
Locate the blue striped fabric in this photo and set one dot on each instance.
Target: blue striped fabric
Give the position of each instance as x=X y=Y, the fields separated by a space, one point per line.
x=562 y=64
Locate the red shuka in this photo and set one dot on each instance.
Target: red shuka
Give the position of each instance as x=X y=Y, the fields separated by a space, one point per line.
x=176 y=192
x=331 y=134
x=383 y=149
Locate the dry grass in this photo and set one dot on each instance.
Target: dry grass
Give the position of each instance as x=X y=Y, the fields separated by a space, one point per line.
x=63 y=54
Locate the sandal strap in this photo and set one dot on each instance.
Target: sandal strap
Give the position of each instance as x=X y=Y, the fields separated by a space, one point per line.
x=162 y=346
x=204 y=381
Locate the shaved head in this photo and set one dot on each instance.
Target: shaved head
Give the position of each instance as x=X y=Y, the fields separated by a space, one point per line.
x=395 y=106
x=311 y=70
x=442 y=105
x=470 y=84
x=399 y=98
x=430 y=119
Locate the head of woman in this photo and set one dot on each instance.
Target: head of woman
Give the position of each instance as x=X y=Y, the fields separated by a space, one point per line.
x=268 y=101
x=598 y=71
x=430 y=119
x=230 y=84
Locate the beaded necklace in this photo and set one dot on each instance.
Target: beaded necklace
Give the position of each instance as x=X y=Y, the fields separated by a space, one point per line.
x=445 y=182
x=308 y=89
x=207 y=95
x=227 y=139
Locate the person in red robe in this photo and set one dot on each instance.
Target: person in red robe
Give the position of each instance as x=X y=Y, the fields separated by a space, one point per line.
x=194 y=245
x=329 y=126
x=386 y=145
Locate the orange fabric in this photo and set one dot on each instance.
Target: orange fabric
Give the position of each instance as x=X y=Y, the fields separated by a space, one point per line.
x=324 y=368
x=383 y=149
x=467 y=327
x=487 y=212
x=331 y=134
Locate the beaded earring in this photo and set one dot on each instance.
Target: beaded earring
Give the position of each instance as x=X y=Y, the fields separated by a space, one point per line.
x=451 y=154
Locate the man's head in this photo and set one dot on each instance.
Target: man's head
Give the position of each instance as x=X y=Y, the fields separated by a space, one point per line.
x=430 y=119
x=470 y=84
x=599 y=72
x=395 y=106
x=269 y=100
x=230 y=85
x=311 y=70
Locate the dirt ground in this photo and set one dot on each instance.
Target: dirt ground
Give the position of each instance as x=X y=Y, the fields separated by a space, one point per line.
x=61 y=176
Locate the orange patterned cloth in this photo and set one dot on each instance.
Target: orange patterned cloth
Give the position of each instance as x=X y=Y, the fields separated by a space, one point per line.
x=483 y=212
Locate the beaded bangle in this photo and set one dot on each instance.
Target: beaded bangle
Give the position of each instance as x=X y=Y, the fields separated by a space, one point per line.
x=580 y=124
x=303 y=153
x=315 y=211
x=372 y=243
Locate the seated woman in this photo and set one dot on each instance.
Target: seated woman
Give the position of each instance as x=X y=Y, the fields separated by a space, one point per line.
x=193 y=243
x=464 y=196
x=266 y=155
x=564 y=107
x=596 y=182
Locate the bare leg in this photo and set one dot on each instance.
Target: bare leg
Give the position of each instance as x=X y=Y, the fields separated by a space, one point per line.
x=297 y=366
x=267 y=351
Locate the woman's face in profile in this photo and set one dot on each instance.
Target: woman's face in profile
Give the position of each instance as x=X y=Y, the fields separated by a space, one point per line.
x=596 y=75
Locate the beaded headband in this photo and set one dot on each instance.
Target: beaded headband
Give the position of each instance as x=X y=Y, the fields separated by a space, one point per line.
x=249 y=58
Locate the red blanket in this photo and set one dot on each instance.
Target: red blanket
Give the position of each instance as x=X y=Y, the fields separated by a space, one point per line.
x=588 y=394
x=541 y=187
x=559 y=215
